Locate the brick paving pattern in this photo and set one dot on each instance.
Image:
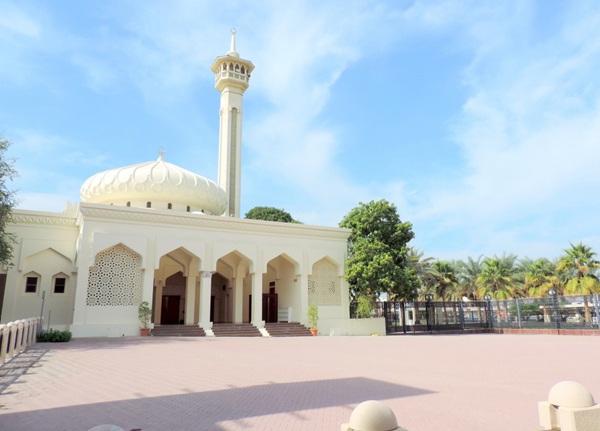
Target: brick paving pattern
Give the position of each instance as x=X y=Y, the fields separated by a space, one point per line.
x=450 y=383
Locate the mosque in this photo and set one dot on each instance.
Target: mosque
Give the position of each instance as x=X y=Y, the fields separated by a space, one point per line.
x=156 y=232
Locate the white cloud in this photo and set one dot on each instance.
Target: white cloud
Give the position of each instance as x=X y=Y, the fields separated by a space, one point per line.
x=18 y=21
x=530 y=133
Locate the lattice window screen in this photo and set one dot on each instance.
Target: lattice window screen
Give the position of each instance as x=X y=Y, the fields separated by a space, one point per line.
x=324 y=284
x=116 y=278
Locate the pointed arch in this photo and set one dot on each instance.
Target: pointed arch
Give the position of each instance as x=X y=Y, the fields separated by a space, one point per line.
x=115 y=279
x=324 y=283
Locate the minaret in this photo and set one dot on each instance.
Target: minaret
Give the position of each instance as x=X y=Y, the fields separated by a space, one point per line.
x=231 y=78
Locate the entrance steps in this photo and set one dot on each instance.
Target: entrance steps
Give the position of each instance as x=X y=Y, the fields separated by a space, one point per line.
x=235 y=330
x=178 y=331
x=283 y=329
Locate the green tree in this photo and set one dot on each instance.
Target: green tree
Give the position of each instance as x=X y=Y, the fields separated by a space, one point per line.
x=580 y=266
x=445 y=283
x=468 y=275
x=7 y=202
x=378 y=252
x=422 y=267
x=497 y=277
x=540 y=277
x=270 y=214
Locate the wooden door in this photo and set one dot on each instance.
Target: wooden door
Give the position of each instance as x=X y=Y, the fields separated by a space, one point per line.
x=170 y=310
x=269 y=307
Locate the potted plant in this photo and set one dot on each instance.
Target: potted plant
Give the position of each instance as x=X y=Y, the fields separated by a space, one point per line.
x=144 y=314
x=313 y=318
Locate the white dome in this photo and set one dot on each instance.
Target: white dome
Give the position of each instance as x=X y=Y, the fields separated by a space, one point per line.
x=155 y=184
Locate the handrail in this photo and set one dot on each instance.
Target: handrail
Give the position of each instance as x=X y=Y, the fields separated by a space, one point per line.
x=16 y=336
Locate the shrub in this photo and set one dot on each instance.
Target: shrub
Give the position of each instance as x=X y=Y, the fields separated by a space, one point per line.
x=364 y=306
x=54 y=336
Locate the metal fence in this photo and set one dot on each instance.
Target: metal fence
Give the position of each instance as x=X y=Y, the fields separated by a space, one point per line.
x=554 y=312
x=412 y=317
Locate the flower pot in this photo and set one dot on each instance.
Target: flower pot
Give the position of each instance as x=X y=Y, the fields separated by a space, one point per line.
x=144 y=332
x=314 y=331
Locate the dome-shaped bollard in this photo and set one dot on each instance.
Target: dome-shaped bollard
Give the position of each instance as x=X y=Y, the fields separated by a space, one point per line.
x=106 y=427
x=372 y=416
x=570 y=407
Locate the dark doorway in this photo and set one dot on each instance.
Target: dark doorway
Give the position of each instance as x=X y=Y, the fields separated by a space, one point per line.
x=169 y=314
x=269 y=307
x=2 y=287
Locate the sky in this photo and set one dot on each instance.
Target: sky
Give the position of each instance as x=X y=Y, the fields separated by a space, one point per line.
x=479 y=120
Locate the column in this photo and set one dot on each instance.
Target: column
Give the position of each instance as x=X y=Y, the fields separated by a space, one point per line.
x=190 y=299
x=158 y=302
x=238 y=299
x=205 y=291
x=301 y=314
x=345 y=298
x=257 y=293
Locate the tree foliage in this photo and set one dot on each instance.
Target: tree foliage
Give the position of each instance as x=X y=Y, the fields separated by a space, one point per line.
x=378 y=252
x=576 y=272
x=7 y=202
x=579 y=264
x=270 y=214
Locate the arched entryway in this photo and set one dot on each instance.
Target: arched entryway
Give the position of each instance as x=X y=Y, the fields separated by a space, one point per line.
x=281 y=291
x=231 y=288
x=176 y=289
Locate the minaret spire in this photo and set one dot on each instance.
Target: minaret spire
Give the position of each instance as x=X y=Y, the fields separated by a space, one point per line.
x=232 y=52
x=232 y=75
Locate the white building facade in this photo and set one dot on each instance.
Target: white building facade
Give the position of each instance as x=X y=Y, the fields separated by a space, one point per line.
x=158 y=233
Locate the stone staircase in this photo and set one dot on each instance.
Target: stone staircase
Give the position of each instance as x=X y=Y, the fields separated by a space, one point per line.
x=282 y=329
x=235 y=330
x=178 y=331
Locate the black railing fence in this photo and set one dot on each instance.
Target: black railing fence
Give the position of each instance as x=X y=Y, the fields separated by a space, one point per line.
x=554 y=312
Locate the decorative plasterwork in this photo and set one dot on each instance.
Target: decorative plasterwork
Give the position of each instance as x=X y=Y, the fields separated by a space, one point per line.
x=31 y=217
x=157 y=183
x=142 y=215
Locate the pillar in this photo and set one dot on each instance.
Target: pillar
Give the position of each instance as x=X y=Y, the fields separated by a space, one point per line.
x=158 y=302
x=190 y=299
x=257 y=293
x=238 y=299
x=302 y=312
x=205 y=291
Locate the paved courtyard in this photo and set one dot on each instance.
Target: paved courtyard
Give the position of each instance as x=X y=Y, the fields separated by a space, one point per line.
x=433 y=383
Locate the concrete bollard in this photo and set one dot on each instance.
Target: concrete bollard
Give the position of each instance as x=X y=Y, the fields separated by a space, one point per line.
x=4 y=343
x=570 y=407
x=12 y=336
x=106 y=427
x=372 y=416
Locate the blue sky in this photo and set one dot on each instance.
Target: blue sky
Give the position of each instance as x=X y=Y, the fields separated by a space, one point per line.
x=480 y=120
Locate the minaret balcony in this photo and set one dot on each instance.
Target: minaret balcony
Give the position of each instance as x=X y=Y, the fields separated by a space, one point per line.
x=228 y=74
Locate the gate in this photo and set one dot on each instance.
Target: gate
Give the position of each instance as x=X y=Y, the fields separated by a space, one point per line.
x=429 y=316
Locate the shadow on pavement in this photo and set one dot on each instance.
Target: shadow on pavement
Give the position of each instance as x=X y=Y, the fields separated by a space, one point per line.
x=20 y=365
x=205 y=410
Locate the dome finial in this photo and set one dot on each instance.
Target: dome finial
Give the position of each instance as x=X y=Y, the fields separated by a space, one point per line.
x=161 y=150
x=232 y=52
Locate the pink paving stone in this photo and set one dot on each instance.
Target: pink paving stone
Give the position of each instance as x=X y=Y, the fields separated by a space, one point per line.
x=484 y=382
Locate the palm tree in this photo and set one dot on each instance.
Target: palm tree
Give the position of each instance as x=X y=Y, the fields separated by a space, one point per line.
x=468 y=274
x=538 y=277
x=422 y=267
x=443 y=274
x=580 y=266
x=497 y=278
x=541 y=276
